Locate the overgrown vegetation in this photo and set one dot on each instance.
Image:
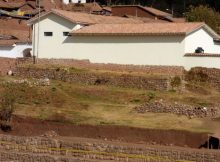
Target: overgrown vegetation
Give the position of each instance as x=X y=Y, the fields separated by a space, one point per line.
x=7 y=107
x=151 y=96
x=92 y=104
x=204 y=14
x=175 y=82
x=196 y=76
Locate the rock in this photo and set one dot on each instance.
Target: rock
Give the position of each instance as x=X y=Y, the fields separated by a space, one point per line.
x=10 y=73
x=44 y=82
x=50 y=134
x=178 y=109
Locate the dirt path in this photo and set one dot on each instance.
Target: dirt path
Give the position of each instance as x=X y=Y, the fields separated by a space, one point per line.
x=33 y=127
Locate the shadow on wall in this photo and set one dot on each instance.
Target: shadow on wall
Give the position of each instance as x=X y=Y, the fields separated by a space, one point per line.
x=211 y=143
x=123 y=39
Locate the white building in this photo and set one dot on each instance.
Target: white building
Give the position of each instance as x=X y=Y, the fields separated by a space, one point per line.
x=13 y=43
x=14 y=50
x=117 y=40
x=73 y=1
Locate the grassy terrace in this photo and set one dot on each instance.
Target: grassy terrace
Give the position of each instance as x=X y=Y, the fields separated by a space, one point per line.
x=94 y=70
x=82 y=104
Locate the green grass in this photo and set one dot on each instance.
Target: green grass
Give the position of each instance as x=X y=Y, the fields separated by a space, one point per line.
x=107 y=105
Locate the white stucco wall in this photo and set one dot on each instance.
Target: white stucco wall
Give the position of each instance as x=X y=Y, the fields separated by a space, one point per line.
x=209 y=62
x=141 y=50
x=202 y=39
x=148 y=50
x=73 y=1
x=14 y=51
x=50 y=45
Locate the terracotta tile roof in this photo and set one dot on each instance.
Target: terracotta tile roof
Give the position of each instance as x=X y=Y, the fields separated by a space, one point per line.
x=11 y=5
x=7 y=43
x=85 y=18
x=139 y=29
x=93 y=7
x=9 y=37
x=151 y=10
x=83 y=7
x=13 y=24
x=50 y=4
x=178 y=20
x=107 y=9
x=94 y=19
x=157 y=12
x=33 y=12
x=146 y=19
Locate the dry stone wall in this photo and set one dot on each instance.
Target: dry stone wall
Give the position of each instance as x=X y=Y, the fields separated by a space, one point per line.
x=41 y=149
x=6 y=64
x=86 y=64
x=163 y=70
x=209 y=75
x=179 y=109
x=96 y=78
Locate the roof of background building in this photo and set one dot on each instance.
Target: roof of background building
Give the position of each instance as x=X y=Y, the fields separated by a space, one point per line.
x=151 y=10
x=10 y=37
x=85 y=18
x=146 y=19
x=157 y=12
x=83 y=7
x=142 y=29
x=11 y=5
x=107 y=8
x=161 y=14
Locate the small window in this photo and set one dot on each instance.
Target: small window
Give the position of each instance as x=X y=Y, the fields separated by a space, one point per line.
x=48 y=34
x=65 y=33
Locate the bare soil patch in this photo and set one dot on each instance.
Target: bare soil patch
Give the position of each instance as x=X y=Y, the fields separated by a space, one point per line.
x=23 y=126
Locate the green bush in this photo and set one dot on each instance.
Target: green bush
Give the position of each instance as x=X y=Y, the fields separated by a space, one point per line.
x=175 y=82
x=7 y=107
x=204 y=14
x=151 y=96
x=196 y=76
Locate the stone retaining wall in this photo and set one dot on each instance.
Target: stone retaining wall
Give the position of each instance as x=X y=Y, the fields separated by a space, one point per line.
x=53 y=150
x=96 y=78
x=209 y=75
x=6 y=64
x=147 y=69
x=179 y=109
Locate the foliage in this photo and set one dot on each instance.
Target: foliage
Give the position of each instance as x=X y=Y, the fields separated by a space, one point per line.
x=196 y=76
x=175 y=82
x=204 y=14
x=179 y=6
x=151 y=96
x=7 y=104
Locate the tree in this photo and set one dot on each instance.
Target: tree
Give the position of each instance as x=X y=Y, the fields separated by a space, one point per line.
x=204 y=14
x=7 y=107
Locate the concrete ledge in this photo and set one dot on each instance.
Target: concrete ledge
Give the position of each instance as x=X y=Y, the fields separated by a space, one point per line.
x=201 y=55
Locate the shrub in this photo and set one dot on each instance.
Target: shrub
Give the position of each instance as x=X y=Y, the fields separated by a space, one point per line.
x=204 y=14
x=196 y=75
x=151 y=96
x=175 y=82
x=7 y=106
